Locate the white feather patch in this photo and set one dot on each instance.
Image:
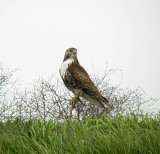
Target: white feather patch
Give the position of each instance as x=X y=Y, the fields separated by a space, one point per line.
x=64 y=67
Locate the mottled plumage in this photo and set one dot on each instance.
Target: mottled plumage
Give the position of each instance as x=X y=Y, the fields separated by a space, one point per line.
x=77 y=80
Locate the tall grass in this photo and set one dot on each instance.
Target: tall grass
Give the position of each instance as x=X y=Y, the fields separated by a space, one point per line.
x=105 y=134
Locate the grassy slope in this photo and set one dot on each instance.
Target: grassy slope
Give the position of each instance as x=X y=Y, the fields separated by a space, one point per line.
x=101 y=135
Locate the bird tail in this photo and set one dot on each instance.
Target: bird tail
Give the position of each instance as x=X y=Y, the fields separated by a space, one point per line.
x=106 y=102
x=99 y=101
x=102 y=104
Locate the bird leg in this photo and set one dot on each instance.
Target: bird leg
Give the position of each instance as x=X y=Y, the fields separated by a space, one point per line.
x=73 y=102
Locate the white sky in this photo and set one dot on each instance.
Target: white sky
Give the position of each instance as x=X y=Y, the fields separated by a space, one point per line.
x=34 y=35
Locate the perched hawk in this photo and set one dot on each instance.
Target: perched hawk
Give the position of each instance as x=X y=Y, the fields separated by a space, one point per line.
x=77 y=80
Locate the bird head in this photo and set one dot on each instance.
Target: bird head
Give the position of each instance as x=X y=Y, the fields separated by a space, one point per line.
x=71 y=53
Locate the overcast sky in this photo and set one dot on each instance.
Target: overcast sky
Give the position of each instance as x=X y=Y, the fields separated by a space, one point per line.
x=34 y=35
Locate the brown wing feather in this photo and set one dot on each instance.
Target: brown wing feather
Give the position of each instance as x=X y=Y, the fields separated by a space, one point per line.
x=82 y=81
x=80 y=76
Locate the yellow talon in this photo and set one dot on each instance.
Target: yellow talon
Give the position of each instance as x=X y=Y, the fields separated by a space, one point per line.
x=74 y=100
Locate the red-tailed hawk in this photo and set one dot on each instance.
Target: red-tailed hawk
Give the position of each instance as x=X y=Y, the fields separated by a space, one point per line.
x=77 y=80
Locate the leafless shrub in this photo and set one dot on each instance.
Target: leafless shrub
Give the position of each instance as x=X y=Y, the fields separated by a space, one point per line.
x=7 y=88
x=49 y=99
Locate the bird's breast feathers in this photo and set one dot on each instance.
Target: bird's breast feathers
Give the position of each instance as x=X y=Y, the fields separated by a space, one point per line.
x=65 y=66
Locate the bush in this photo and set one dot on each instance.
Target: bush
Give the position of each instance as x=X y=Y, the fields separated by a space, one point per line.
x=49 y=99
